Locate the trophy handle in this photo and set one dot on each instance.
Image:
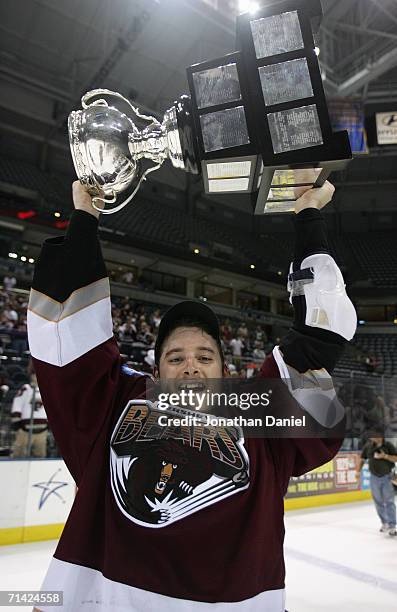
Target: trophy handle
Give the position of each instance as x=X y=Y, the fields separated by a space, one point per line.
x=112 y=198
x=107 y=92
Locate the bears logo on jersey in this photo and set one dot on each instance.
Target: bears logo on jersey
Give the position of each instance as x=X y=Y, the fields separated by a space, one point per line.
x=160 y=475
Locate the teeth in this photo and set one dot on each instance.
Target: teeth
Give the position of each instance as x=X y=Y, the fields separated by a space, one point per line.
x=191 y=387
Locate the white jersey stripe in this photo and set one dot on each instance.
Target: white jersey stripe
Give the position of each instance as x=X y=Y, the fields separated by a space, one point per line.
x=59 y=343
x=87 y=589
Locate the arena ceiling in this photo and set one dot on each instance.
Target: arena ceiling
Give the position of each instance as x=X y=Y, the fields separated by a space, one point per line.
x=52 y=52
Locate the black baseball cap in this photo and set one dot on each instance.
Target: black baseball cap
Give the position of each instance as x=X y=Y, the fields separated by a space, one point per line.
x=196 y=311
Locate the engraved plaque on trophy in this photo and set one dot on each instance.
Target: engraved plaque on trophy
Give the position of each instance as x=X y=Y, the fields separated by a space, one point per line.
x=286 y=81
x=224 y=129
x=295 y=128
x=217 y=85
x=280 y=33
x=296 y=142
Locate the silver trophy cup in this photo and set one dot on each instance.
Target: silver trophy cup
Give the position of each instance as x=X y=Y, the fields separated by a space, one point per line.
x=109 y=150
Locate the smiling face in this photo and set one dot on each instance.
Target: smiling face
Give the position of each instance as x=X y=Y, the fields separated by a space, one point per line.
x=188 y=355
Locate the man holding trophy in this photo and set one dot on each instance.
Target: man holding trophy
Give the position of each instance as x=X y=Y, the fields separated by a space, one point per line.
x=163 y=521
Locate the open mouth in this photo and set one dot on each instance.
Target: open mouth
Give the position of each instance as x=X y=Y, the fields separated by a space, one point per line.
x=195 y=387
x=160 y=486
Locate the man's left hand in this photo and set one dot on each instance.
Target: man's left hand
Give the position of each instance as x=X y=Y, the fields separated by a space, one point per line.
x=314 y=197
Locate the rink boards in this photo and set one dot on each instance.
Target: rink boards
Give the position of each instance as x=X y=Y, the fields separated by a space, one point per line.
x=38 y=494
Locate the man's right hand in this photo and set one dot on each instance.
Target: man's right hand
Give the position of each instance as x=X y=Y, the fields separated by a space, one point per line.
x=82 y=199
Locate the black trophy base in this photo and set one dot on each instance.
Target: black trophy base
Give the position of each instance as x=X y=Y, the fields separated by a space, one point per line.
x=280 y=184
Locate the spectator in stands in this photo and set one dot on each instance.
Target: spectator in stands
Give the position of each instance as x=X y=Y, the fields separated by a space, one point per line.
x=28 y=416
x=226 y=331
x=372 y=363
x=381 y=458
x=242 y=331
x=237 y=345
x=5 y=322
x=19 y=338
x=9 y=282
x=11 y=314
x=127 y=332
x=128 y=277
x=156 y=318
x=260 y=334
x=258 y=353
x=145 y=335
x=232 y=370
x=4 y=386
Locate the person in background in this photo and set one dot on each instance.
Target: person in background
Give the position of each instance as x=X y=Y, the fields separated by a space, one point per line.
x=259 y=353
x=381 y=458
x=237 y=346
x=128 y=277
x=19 y=338
x=28 y=398
x=242 y=331
x=4 y=387
x=9 y=282
x=156 y=318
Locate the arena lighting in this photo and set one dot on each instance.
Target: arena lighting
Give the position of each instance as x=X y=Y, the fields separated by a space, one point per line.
x=247 y=6
x=31 y=260
x=252 y=267
x=361 y=322
x=13 y=255
x=196 y=251
x=57 y=214
x=23 y=258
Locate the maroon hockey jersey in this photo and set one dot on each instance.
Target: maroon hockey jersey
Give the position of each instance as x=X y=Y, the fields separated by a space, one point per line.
x=212 y=537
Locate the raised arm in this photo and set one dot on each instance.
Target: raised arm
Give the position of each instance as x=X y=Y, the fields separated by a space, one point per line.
x=324 y=316
x=70 y=332
x=324 y=320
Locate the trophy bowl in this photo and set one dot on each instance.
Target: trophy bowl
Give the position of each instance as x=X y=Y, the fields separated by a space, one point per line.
x=111 y=154
x=99 y=144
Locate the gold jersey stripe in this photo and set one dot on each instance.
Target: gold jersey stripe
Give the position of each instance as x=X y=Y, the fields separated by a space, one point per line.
x=51 y=310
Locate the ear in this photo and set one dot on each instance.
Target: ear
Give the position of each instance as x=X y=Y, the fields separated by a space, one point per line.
x=156 y=371
x=226 y=371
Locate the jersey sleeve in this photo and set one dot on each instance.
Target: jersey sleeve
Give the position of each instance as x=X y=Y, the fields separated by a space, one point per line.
x=309 y=347
x=70 y=334
x=296 y=456
x=304 y=360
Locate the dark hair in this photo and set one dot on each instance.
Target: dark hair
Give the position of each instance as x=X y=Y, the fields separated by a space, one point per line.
x=190 y=322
